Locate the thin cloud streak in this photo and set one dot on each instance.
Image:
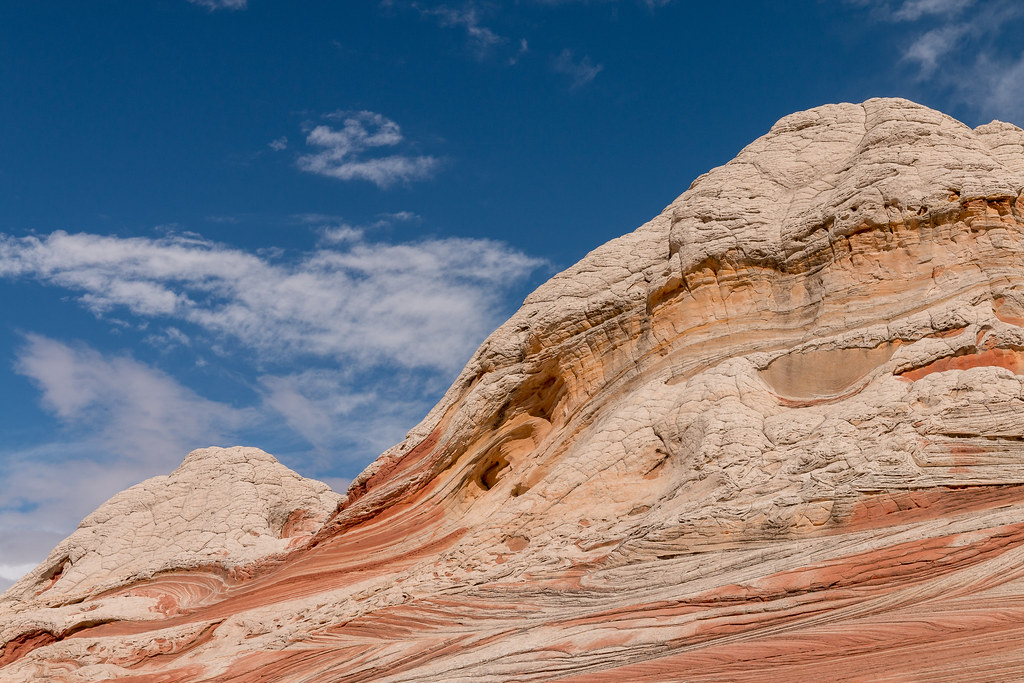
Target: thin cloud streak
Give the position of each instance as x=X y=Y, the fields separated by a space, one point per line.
x=213 y=5
x=481 y=38
x=912 y=10
x=650 y=4
x=335 y=230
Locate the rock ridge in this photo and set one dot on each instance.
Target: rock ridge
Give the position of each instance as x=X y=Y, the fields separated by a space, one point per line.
x=775 y=433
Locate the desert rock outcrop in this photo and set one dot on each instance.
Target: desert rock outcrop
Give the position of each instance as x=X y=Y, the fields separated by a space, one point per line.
x=776 y=433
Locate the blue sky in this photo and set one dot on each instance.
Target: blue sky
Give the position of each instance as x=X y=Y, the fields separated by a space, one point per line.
x=288 y=225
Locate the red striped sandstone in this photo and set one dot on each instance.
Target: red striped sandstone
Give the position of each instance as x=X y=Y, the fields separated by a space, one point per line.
x=776 y=433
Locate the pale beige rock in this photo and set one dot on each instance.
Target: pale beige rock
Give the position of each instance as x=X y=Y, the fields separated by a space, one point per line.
x=776 y=433
x=229 y=508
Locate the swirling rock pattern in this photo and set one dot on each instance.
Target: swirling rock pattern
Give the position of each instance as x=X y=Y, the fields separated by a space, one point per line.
x=776 y=433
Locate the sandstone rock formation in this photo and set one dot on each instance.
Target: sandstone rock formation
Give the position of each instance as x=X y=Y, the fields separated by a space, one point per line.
x=776 y=433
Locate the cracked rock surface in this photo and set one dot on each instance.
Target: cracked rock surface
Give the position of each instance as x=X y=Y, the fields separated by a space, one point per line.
x=775 y=433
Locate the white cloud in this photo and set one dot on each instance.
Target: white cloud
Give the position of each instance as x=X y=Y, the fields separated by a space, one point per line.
x=335 y=230
x=311 y=402
x=341 y=153
x=425 y=304
x=221 y=4
x=580 y=71
x=278 y=144
x=14 y=572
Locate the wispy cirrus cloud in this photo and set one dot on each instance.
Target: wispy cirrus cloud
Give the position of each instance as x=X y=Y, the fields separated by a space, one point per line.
x=346 y=151
x=472 y=18
x=579 y=70
x=929 y=50
x=967 y=49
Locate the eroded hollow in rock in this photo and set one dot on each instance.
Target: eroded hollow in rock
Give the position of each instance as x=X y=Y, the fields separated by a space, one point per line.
x=541 y=396
x=513 y=446
x=489 y=471
x=824 y=372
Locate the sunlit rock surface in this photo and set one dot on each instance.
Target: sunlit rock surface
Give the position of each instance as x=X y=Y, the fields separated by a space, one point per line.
x=776 y=433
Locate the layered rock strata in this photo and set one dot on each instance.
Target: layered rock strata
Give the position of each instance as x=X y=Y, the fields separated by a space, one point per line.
x=776 y=433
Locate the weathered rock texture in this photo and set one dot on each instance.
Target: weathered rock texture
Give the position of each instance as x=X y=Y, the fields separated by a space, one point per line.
x=776 y=433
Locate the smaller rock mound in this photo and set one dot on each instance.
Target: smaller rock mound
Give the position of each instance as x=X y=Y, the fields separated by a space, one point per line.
x=223 y=507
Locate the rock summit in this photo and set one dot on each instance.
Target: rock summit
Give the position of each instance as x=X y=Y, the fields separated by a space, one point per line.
x=775 y=433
